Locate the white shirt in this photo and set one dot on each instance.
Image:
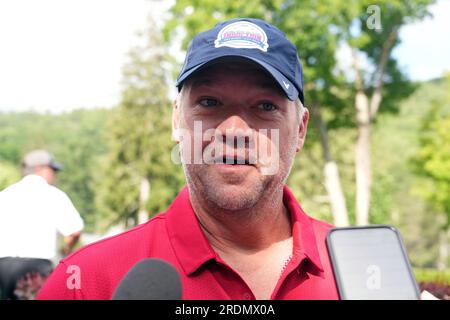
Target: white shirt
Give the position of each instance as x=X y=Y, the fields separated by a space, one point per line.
x=31 y=214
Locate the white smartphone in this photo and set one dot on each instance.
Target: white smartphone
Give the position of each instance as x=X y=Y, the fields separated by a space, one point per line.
x=371 y=263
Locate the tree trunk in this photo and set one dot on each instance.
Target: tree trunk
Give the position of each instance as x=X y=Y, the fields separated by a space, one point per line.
x=443 y=249
x=365 y=115
x=362 y=159
x=144 y=194
x=331 y=172
x=362 y=150
x=337 y=199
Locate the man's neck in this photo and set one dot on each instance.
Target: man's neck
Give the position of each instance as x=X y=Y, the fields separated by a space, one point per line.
x=248 y=231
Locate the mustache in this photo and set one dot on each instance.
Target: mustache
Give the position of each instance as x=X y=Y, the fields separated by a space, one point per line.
x=231 y=151
x=221 y=154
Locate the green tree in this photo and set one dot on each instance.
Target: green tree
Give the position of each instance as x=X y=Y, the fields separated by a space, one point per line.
x=373 y=35
x=139 y=161
x=396 y=192
x=8 y=174
x=433 y=158
x=79 y=142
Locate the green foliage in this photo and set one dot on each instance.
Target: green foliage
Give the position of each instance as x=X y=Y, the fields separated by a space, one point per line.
x=140 y=139
x=396 y=186
x=373 y=43
x=20 y=132
x=8 y=174
x=80 y=155
x=432 y=160
x=432 y=275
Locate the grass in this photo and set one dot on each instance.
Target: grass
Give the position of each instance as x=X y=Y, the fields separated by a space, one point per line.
x=432 y=275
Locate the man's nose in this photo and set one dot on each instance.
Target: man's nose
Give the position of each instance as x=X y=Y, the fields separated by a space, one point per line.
x=234 y=125
x=235 y=132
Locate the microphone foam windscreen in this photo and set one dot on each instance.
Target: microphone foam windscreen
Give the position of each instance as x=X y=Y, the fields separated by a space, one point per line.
x=150 y=279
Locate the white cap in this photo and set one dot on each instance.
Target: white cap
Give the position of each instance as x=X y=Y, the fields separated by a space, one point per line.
x=37 y=158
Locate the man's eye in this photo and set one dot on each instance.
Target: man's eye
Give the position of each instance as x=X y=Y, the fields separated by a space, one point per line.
x=267 y=106
x=209 y=102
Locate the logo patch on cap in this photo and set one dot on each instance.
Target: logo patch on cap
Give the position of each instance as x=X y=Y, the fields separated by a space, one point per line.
x=242 y=35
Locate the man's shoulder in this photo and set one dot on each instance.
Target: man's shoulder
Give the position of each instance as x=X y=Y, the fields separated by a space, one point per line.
x=320 y=227
x=11 y=188
x=100 y=266
x=10 y=196
x=135 y=240
x=56 y=193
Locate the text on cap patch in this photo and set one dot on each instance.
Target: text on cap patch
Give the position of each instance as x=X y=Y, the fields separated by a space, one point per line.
x=243 y=35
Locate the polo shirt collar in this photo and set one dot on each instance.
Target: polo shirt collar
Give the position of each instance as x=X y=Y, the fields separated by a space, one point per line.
x=304 y=236
x=188 y=240
x=193 y=249
x=34 y=178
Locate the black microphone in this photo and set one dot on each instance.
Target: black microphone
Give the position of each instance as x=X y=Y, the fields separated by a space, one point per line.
x=150 y=279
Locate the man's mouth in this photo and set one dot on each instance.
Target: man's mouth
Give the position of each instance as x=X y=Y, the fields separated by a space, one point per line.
x=234 y=160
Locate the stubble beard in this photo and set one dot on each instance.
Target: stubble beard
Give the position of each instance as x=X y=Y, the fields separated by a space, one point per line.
x=221 y=196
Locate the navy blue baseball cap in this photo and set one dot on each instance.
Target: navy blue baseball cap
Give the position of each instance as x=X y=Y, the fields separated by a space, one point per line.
x=251 y=39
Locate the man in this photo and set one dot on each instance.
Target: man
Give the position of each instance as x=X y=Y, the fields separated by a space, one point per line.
x=236 y=231
x=32 y=211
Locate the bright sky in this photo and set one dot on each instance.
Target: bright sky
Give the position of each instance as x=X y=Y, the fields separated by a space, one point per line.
x=425 y=47
x=59 y=55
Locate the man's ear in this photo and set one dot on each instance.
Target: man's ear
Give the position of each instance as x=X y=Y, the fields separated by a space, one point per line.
x=303 y=128
x=176 y=119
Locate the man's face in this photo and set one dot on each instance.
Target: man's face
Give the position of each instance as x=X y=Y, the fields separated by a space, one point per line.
x=47 y=173
x=243 y=126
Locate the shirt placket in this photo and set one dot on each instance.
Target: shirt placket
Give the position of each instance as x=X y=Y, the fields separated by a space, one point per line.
x=292 y=266
x=244 y=292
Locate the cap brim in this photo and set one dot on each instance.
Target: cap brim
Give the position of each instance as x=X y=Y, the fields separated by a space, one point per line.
x=56 y=166
x=289 y=89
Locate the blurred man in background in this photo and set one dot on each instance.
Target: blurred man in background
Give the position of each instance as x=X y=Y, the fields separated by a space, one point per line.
x=32 y=212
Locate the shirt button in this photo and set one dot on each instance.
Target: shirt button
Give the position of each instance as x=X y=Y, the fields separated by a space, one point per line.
x=247 y=296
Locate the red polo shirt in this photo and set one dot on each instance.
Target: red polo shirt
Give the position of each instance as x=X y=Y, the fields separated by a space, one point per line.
x=175 y=236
